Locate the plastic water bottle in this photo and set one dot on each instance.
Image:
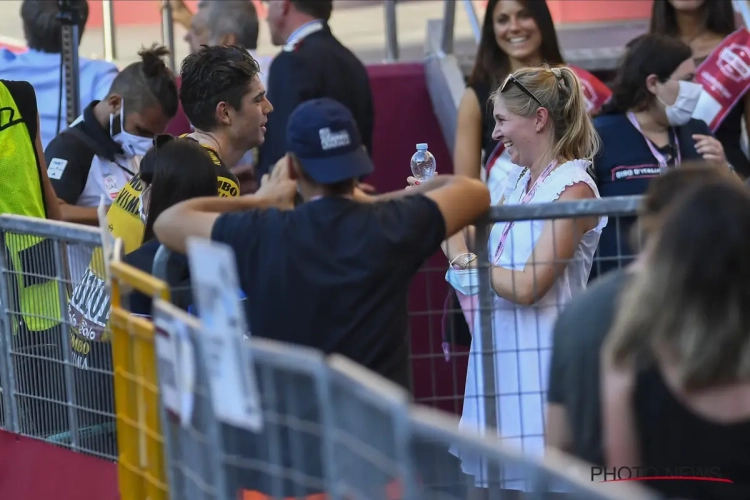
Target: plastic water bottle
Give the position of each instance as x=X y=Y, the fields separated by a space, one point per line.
x=423 y=164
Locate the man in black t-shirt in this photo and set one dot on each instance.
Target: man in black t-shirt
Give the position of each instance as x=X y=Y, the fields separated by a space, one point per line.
x=574 y=407
x=333 y=273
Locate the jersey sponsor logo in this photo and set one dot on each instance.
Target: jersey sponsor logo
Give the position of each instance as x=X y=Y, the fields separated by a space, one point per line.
x=227 y=188
x=129 y=198
x=56 y=168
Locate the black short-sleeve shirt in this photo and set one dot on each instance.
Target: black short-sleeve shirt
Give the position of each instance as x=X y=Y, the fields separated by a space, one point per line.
x=574 y=378
x=334 y=274
x=625 y=166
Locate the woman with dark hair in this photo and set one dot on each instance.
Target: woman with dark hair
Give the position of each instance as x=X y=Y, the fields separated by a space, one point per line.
x=646 y=127
x=515 y=34
x=709 y=28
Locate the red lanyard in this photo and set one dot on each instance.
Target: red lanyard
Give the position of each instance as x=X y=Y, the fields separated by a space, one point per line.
x=526 y=199
x=660 y=158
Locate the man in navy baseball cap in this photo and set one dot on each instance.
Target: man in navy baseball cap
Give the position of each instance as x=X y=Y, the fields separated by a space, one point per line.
x=324 y=140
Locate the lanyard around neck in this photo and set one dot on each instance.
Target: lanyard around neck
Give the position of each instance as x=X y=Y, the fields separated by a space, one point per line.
x=658 y=156
x=529 y=195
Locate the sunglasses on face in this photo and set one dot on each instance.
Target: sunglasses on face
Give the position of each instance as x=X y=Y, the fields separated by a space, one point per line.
x=511 y=80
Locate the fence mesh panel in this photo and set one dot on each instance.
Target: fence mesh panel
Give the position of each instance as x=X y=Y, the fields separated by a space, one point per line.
x=329 y=427
x=50 y=391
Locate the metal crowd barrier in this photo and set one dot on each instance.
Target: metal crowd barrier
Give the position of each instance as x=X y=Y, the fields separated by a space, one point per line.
x=329 y=427
x=332 y=429
x=45 y=391
x=139 y=437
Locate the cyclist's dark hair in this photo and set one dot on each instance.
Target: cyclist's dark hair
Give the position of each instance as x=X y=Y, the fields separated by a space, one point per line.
x=148 y=83
x=212 y=75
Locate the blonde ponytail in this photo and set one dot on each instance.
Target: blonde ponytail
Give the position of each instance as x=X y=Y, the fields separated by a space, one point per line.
x=579 y=139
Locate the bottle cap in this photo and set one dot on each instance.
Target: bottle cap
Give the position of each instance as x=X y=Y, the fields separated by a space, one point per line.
x=422 y=146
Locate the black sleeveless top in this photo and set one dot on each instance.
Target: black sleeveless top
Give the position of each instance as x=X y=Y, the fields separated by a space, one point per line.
x=483 y=92
x=729 y=134
x=675 y=441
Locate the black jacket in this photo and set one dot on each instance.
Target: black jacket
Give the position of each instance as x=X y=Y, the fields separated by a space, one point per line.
x=319 y=66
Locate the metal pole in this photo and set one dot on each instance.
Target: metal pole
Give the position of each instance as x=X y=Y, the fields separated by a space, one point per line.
x=167 y=32
x=449 y=20
x=68 y=16
x=476 y=26
x=391 y=32
x=108 y=15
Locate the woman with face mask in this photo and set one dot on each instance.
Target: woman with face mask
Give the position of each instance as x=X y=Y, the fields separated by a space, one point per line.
x=709 y=27
x=647 y=127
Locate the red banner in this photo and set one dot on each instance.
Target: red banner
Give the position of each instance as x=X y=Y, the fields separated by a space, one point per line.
x=34 y=469
x=725 y=76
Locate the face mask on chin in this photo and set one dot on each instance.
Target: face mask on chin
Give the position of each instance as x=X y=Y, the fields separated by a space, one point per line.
x=681 y=111
x=132 y=145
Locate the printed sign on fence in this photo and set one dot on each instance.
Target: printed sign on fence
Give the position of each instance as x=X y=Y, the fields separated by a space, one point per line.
x=175 y=359
x=108 y=241
x=229 y=364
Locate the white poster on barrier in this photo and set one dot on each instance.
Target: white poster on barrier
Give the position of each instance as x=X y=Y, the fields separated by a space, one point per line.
x=230 y=368
x=108 y=241
x=175 y=359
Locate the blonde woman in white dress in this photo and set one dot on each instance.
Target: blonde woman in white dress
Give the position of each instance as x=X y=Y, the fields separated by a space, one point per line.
x=540 y=115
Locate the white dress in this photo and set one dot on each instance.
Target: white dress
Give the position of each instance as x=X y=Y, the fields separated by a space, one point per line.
x=523 y=334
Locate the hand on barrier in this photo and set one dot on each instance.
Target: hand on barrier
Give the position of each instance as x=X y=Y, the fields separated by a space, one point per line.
x=279 y=187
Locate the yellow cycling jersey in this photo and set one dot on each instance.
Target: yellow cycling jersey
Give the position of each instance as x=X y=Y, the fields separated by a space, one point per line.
x=125 y=218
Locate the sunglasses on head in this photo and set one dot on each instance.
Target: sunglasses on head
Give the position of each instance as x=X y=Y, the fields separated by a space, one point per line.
x=512 y=80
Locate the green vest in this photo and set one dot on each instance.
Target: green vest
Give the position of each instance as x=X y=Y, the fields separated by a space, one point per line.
x=36 y=298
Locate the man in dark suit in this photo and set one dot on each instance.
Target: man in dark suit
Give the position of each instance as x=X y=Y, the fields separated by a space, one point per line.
x=312 y=64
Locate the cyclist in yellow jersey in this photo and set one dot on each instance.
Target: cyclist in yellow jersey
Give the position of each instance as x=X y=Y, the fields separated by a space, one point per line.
x=224 y=99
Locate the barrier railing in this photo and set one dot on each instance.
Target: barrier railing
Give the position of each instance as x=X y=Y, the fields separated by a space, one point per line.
x=139 y=437
x=47 y=393
x=329 y=427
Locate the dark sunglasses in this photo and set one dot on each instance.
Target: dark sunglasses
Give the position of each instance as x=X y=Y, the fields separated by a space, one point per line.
x=512 y=80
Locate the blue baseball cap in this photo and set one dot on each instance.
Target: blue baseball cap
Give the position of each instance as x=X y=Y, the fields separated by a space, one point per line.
x=324 y=138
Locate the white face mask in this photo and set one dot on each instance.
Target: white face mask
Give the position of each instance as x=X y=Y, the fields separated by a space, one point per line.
x=465 y=281
x=132 y=145
x=681 y=111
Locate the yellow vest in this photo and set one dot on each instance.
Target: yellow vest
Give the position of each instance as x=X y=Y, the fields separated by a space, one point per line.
x=38 y=298
x=124 y=217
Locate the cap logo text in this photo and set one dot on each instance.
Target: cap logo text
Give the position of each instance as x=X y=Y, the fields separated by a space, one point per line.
x=333 y=140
